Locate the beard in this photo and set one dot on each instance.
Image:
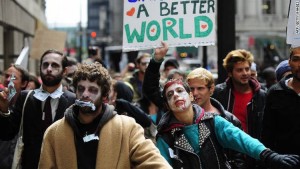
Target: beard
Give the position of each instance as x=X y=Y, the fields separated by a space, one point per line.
x=50 y=80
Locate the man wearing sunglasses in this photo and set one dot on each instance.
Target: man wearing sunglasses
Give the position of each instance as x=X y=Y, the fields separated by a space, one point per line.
x=137 y=78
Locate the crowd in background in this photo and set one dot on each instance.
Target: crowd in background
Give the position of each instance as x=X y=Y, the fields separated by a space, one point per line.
x=254 y=115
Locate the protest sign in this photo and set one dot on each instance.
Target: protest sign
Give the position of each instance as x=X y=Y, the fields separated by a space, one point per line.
x=178 y=22
x=45 y=39
x=293 y=26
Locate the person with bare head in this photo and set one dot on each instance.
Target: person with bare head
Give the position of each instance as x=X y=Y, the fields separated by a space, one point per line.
x=137 y=78
x=44 y=106
x=281 y=127
x=202 y=85
x=241 y=94
x=97 y=136
x=20 y=79
x=16 y=78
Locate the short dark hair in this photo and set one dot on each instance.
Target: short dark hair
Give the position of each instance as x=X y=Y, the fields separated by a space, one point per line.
x=64 y=61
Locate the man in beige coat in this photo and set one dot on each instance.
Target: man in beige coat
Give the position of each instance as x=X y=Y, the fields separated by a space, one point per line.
x=92 y=135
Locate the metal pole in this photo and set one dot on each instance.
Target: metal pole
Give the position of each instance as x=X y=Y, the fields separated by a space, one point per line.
x=225 y=33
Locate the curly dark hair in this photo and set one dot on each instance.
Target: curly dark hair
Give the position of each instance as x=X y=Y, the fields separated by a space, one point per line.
x=93 y=72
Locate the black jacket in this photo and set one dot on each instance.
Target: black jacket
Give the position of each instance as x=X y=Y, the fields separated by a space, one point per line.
x=211 y=154
x=32 y=125
x=236 y=159
x=152 y=90
x=281 y=125
x=255 y=108
x=151 y=86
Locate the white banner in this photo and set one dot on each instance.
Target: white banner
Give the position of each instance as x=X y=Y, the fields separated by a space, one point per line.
x=293 y=26
x=178 y=22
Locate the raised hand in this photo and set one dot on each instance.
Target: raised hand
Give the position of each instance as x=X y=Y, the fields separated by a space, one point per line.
x=161 y=51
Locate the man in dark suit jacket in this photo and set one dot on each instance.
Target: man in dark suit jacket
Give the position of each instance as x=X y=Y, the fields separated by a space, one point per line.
x=36 y=120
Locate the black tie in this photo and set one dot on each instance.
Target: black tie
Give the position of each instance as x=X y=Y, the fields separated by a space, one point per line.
x=47 y=113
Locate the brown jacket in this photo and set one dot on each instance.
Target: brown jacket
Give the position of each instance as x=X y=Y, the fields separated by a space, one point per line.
x=122 y=145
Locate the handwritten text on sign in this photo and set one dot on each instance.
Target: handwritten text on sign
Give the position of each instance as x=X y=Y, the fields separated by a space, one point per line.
x=177 y=22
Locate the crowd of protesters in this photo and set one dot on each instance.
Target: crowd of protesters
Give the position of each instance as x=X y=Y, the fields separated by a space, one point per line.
x=151 y=114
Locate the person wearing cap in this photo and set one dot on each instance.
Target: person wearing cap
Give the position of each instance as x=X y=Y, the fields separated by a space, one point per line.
x=170 y=64
x=283 y=69
x=281 y=127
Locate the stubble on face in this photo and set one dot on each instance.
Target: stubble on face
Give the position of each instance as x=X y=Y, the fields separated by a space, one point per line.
x=241 y=73
x=294 y=63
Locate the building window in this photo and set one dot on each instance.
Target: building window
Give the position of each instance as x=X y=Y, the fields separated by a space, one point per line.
x=268 y=6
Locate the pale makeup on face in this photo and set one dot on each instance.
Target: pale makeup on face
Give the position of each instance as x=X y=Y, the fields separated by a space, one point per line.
x=177 y=97
x=88 y=91
x=51 y=61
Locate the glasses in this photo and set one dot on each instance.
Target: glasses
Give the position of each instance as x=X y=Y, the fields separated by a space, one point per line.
x=144 y=63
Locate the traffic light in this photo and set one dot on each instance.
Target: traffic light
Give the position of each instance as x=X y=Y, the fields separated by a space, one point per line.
x=93 y=34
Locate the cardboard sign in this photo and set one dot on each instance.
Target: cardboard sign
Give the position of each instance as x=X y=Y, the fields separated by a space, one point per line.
x=45 y=39
x=177 y=22
x=293 y=26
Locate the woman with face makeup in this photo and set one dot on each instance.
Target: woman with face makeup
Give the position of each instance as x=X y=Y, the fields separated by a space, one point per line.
x=189 y=137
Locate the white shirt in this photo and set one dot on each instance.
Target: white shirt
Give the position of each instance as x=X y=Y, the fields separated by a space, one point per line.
x=42 y=95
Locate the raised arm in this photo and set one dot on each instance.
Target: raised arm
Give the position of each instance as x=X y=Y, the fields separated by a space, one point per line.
x=151 y=87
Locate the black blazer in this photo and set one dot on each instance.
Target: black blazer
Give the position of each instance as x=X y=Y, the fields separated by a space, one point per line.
x=32 y=125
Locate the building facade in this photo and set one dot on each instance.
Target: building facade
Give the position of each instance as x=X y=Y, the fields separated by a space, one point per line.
x=260 y=26
x=18 y=21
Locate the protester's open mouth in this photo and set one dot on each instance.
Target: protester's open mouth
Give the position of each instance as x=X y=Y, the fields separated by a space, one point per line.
x=179 y=102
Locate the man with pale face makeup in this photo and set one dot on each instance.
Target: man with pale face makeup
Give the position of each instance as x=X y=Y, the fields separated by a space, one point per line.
x=191 y=138
x=97 y=137
x=44 y=106
x=281 y=126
